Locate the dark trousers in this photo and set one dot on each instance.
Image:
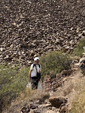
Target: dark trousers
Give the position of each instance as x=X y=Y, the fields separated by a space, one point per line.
x=34 y=82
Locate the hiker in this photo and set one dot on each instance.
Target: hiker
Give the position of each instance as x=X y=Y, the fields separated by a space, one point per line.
x=82 y=65
x=35 y=73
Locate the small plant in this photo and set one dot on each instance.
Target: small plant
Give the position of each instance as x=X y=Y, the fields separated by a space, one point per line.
x=79 y=49
x=13 y=80
x=54 y=62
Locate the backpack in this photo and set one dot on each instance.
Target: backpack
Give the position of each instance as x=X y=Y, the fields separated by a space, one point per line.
x=34 y=65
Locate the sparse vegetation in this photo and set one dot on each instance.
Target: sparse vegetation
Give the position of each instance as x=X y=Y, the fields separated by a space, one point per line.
x=12 y=81
x=79 y=49
x=78 y=105
x=54 y=62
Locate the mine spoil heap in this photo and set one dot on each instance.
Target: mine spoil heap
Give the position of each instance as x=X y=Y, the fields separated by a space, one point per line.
x=30 y=28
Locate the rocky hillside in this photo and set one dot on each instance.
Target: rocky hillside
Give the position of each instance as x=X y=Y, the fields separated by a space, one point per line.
x=32 y=27
x=57 y=99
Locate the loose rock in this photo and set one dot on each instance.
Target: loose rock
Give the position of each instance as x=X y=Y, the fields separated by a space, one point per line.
x=57 y=102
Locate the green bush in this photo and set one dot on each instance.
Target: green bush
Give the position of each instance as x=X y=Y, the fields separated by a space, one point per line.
x=13 y=80
x=54 y=62
x=79 y=49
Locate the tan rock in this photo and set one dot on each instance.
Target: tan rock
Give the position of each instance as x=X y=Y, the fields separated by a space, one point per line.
x=45 y=105
x=31 y=111
x=50 y=111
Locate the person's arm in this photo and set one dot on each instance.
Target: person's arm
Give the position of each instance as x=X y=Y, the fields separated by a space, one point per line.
x=30 y=74
x=31 y=69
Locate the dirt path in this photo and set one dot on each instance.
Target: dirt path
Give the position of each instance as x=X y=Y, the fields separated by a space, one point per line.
x=70 y=87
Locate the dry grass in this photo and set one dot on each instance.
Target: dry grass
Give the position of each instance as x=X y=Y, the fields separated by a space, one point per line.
x=78 y=104
x=24 y=99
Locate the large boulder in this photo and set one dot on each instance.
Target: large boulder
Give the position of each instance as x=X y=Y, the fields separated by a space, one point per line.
x=57 y=102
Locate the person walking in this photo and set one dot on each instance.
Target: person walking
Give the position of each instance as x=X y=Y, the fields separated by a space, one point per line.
x=82 y=64
x=35 y=73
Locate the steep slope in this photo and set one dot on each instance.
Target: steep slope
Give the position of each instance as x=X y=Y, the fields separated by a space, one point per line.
x=32 y=27
x=59 y=101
